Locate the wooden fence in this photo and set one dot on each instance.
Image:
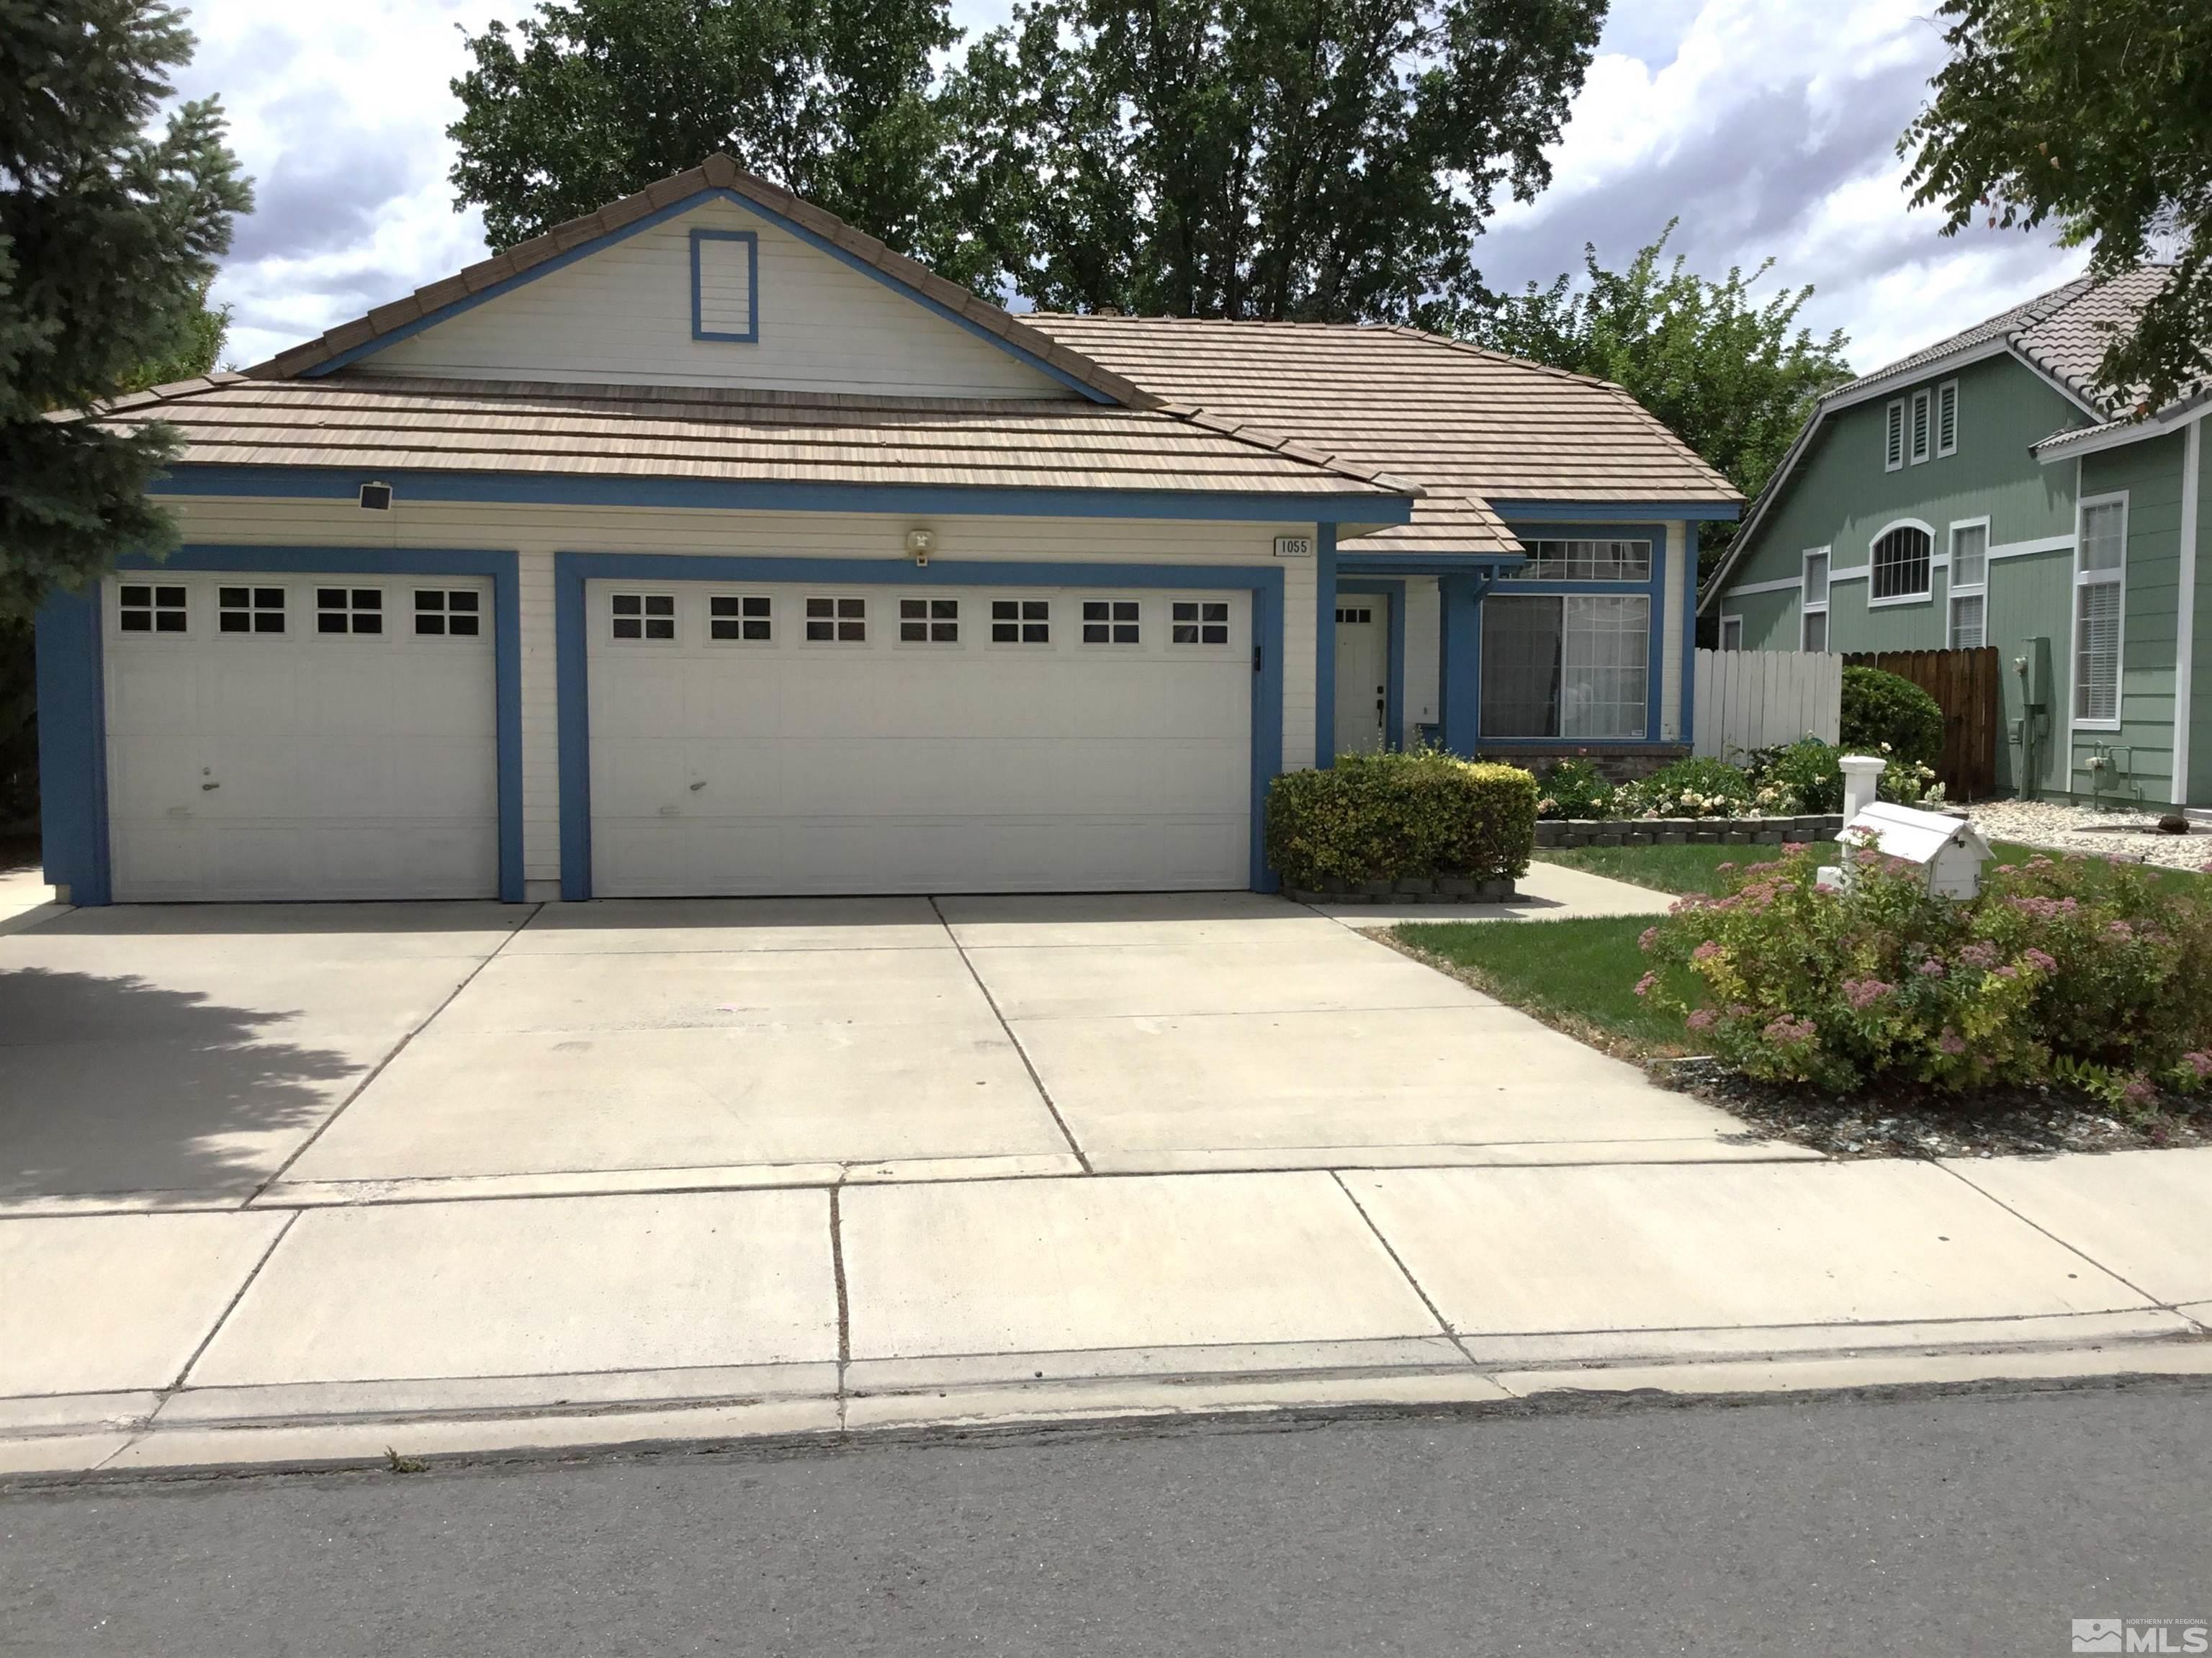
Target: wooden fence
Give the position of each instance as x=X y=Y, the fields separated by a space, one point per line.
x=1749 y=700
x=1966 y=686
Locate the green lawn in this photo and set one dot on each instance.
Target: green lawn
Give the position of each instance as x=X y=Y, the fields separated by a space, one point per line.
x=1578 y=974
x=1698 y=869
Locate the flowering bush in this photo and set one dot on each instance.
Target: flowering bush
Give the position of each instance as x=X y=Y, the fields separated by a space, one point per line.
x=1805 y=770
x=1573 y=788
x=1700 y=786
x=2075 y=970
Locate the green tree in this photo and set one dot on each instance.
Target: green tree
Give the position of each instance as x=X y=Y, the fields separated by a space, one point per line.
x=1315 y=159
x=1733 y=376
x=2095 y=115
x=198 y=350
x=587 y=100
x=108 y=238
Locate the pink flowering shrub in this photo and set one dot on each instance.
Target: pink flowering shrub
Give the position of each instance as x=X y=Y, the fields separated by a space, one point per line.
x=2059 y=967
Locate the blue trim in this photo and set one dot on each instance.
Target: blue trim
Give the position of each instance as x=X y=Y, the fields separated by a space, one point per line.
x=1487 y=566
x=1613 y=512
x=661 y=216
x=1324 y=646
x=752 y=239
x=1393 y=709
x=319 y=483
x=72 y=746
x=571 y=571
x=1459 y=696
x=1687 y=723
x=506 y=665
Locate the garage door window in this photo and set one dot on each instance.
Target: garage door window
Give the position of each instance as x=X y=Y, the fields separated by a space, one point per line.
x=152 y=609
x=1110 y=622
x=451 y=613
x=929 y=621
x=747 y=619
x=349 y=610
x=249 y=609
x=1199 y=621
x=837 y=621
x=644 y=616
x=1021 y=622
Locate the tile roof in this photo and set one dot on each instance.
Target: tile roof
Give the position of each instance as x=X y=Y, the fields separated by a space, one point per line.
x=716 y=173
x=1470 y=425
x=387 y=423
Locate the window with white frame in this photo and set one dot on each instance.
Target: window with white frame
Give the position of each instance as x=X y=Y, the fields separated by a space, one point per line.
x=2100 y=599
x=1922 y=426
x=448 y=613
x=1893 y=453
x=1813 y=601
x=249 y=609
x=1947 y=418
x=1021 y=622
x=1899 y=564
x=1587 y=560
x=349 y=610
x=1731 y=633
x=1970 y=564
x=831 y=621
x=1202 y=622
x=1556 y=665
x=929 y=621
x=741 y=619
x=1110 y=622
x=639 y=618
x=145 y=609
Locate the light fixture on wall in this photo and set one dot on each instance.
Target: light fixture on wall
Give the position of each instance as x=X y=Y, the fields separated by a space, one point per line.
x=920 y=545
x=376 y=497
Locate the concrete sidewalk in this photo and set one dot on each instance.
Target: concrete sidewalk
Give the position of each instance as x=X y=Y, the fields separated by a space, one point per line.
x=182 y=1340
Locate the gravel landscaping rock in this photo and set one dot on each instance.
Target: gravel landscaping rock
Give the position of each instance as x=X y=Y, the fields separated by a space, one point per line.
x=2065 y=828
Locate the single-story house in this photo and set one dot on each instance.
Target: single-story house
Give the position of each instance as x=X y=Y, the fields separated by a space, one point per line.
x=1983 y=492
x=705 y=546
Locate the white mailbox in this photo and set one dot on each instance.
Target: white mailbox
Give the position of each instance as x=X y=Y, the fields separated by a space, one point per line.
x=1951 y=850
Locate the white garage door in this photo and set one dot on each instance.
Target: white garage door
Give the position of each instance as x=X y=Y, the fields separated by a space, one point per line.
x=770 y=739
x=297 y=737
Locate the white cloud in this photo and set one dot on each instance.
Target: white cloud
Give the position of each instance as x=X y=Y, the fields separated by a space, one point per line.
x=1767 y=125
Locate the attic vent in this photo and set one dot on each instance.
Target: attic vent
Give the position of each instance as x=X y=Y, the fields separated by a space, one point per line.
x=725 y=286
x=376 y=497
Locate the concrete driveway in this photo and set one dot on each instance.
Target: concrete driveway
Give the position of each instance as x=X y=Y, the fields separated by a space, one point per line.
x=192 y=1057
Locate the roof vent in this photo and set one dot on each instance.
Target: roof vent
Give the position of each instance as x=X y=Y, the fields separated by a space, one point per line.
x=375 y=497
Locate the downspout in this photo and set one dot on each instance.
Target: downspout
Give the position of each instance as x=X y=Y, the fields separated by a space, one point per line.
x=2185 y=651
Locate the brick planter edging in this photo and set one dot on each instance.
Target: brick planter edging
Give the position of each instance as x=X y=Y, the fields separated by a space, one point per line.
x=1427 y=890
x=1687 y=831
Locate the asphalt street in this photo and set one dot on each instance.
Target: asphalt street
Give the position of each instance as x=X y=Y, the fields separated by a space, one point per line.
x=1927 y=1524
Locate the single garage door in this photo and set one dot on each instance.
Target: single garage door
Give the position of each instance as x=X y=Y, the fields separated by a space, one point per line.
x=296 y=737
x=768 y=738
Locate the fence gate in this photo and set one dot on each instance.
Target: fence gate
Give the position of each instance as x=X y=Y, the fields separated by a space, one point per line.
x=1966 y=685
x=1748 y=700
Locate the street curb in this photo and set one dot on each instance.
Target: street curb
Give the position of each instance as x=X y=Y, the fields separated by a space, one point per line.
x=402 y=1445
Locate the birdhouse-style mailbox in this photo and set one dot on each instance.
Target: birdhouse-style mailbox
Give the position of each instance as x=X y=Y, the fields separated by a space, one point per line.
x=1950 y=850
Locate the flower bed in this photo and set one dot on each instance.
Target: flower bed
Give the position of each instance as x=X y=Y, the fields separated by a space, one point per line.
x=1687 y=831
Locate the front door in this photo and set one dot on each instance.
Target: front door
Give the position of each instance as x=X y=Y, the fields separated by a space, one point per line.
x=1362 y=674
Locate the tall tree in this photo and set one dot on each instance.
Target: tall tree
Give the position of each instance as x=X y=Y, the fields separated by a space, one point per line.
x=2095 y=115
x=586 y=100
x=1319 y=159
x=1733 y=376
x=109 y=233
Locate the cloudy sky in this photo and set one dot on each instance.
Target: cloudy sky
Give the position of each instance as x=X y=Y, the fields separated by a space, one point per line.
x=1767 y=125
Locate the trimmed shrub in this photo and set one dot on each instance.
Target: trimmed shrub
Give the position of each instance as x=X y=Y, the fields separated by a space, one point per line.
x=1399 y=817
x=1573 y=788
x=1806 y=771
x=1890 y=716
x=1699 y=787
x=2073 y=970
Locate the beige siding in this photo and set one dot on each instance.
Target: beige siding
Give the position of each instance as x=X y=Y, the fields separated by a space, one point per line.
x=1423 y=654
x=536 y=533
x=1670 y=635
x=623 y=315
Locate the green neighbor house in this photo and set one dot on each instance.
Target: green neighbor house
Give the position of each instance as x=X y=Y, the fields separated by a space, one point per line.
x=1979 y=492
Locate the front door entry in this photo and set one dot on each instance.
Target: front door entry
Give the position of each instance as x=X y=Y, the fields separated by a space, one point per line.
x=1362 y=674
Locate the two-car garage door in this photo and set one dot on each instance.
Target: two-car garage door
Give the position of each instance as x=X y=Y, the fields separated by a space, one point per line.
x=761 y=738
